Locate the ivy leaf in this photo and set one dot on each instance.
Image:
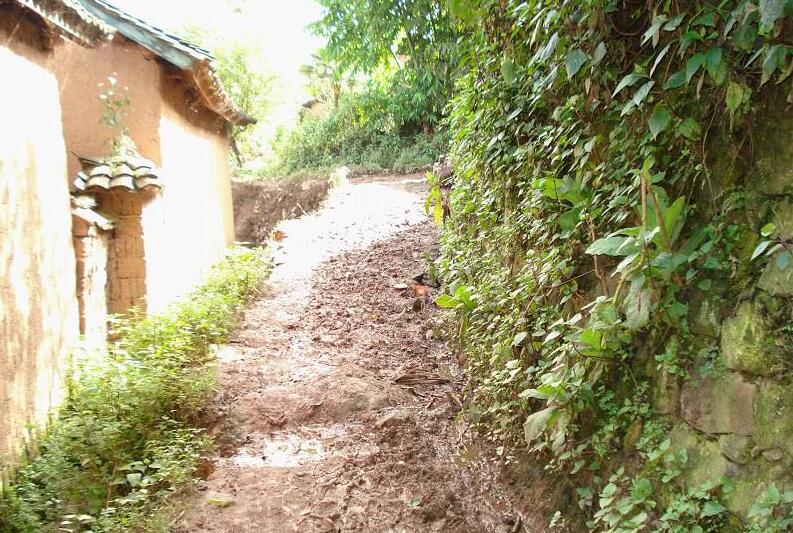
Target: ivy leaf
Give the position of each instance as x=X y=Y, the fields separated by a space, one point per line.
x=659 y=58
x=642 y=489
x=642 y=93
x=706 y=19
x=774 y=57
x=536 y=423
x=574 y=61
x=674 y=23
x=714 y=65
x=762 y=247
x=627 y=81
x=693 y=64
x=690 y=129
x=783 y=260
x=654 y=31
x=600 y=53
x=660 y=119
x=613 y=246
x=508 y=70
x=519 y=338
x=445 y=301
x=735 y=93
x=637 y=304
x=770 y=11
x=676 y=80
x=712 y=508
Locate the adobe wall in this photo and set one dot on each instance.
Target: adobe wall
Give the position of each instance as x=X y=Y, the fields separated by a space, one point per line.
x=188 y=227
x=191 y=226
x=38 y=303
x=80 y=72
x=91 y=247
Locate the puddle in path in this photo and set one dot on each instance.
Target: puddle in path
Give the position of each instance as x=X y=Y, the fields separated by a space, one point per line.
x=285 y=450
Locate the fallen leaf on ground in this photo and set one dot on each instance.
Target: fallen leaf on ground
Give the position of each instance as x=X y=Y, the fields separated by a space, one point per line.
x=219 y=502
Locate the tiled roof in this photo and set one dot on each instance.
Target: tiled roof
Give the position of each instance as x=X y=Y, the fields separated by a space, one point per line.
x=84 y=208
x=72 y=19
x=199 y=63
x=125 y=172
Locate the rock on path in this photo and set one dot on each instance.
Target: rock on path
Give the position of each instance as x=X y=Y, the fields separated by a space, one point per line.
x=336 y=403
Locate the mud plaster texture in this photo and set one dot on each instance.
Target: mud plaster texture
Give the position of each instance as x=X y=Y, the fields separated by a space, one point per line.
x=260 y=205
x=337 y=401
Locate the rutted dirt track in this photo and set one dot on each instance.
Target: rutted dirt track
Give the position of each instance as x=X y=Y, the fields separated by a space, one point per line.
x=338 y=400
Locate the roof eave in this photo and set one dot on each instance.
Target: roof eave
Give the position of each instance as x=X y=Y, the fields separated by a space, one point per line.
x=215 y=97
x=183 y=55
x=72 y=19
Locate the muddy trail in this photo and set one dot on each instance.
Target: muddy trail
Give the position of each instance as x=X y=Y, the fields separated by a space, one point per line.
x=337 y=401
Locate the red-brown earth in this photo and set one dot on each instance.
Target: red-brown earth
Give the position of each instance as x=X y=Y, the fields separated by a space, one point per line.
x=338 y=399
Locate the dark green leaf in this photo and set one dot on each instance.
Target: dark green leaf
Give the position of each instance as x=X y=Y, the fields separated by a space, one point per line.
x=660 y=119
x=574 y=61
x=627 y=81
x=676 y=80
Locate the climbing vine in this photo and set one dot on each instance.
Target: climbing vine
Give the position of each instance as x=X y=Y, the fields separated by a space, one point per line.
x=603 y=149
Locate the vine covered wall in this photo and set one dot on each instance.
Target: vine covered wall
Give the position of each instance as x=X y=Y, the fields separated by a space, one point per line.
x=619 y=257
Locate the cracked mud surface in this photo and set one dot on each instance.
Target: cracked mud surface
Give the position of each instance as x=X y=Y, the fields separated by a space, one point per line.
x=336 y=398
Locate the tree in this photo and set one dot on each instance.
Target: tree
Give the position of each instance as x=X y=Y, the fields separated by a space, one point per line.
x=248 y=82
x=418 y=37
x=250 y=89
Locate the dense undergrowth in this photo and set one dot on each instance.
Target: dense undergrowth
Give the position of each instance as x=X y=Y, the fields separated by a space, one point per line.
x=604 y=159
x=129 y=436
x=364 y=131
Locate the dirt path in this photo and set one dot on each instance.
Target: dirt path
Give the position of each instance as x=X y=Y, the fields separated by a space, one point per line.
x=337 y=399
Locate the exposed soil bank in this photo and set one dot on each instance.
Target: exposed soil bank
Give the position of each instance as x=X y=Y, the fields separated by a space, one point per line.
x=338 y=399
x=260 y=205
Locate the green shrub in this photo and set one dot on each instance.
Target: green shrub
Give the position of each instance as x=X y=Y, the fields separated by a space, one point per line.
x=128 y=437
x=363 y=131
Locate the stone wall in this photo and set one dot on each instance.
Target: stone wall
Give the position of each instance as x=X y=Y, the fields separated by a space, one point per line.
x=260 y=205
x=735 y=417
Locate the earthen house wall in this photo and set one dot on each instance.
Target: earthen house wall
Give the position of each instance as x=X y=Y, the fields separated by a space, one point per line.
x=38 y=301
x=162 y=243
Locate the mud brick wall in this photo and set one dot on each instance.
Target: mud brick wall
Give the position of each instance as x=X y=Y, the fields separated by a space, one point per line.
x=91 y=248
x=126 y=265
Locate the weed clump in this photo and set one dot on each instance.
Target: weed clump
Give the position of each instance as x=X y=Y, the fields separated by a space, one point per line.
x=129 y=435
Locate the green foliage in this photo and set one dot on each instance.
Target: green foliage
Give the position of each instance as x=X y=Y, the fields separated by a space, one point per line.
x=126 y=438
x=419 y=37
x=249 y=84
x=363 y=131
x=115 y=102
x=772 y=512
x=585 y=220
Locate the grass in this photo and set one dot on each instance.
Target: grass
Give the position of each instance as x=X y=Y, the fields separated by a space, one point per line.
x=129 y=435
